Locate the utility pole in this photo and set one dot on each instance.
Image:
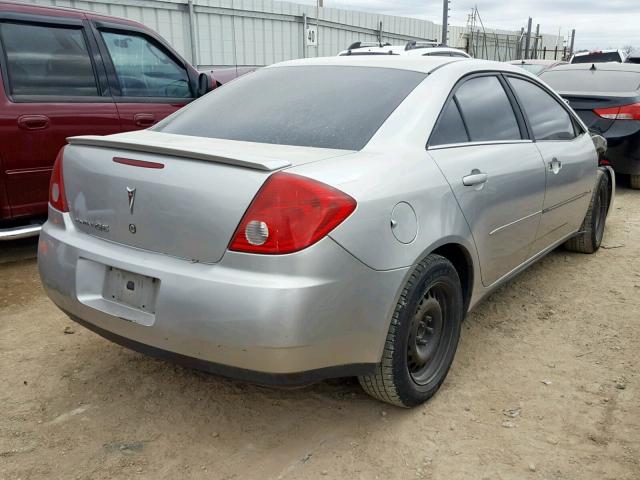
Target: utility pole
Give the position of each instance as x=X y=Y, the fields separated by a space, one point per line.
x=573 y=39
x=527 y=43
x=445 y=21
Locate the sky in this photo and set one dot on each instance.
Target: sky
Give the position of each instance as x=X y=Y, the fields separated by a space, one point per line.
x=598 y=23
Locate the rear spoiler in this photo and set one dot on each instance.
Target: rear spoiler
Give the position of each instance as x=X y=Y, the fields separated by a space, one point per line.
x=195 y=148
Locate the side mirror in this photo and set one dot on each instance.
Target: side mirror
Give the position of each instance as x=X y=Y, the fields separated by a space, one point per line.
x=205 y=84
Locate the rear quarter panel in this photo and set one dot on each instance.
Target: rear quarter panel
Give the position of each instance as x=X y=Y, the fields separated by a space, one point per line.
x=379 y=182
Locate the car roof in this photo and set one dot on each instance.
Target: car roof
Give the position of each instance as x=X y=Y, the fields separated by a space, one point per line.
x=595 y=52
x=384 y=49
x=399 y=50
x=604 y=67
x=401 y=62
x=535 y=61
x=421 y=51
x=55 y=11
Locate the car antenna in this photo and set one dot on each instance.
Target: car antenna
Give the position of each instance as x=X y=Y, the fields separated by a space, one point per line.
x=593 y=67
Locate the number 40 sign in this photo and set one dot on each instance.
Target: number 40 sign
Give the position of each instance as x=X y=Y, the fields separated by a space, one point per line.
x=311 y=37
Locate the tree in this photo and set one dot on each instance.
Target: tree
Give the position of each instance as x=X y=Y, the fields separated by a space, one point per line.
x=627 y=49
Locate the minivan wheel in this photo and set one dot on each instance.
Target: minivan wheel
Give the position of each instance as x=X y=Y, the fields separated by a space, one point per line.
x=422 y=338
x=635 y=182
x=592 y=231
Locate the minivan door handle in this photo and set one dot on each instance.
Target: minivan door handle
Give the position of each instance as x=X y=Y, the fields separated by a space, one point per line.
x=475 y=178
x=33 y=122
x=144 y=119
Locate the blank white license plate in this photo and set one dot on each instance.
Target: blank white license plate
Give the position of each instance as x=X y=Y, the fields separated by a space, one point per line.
x=131 y=289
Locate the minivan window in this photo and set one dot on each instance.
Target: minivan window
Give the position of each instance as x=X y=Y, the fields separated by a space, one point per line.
x=450 y=127
x=592 y=80
x=47 y=61
x=143 y=69
x=487 y=111
x=549 y=120
x=322 y=106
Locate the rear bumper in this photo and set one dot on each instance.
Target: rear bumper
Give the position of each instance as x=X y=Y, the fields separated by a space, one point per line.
x=253 y=376
x=623 y=150
x=22 y=231
x=285 y=319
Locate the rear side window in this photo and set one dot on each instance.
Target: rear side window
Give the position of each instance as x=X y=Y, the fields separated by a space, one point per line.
x=593 y=81
x=487 y=111
x=338 y=107
x=450 y=127
x=47 y=60
x=549 y=121
x=143 y=69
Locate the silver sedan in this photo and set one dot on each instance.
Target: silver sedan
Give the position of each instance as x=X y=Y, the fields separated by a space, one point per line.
x=322 y=218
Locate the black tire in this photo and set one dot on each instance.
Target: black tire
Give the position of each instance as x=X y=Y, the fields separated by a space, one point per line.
x=590 y=237
x=635 y=182
x=423 y=336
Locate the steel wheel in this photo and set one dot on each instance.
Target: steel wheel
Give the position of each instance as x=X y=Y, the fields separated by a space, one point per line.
x=600 y=210
x=428 y=335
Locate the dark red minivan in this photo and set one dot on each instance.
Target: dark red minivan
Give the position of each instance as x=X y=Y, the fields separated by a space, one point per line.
x=69 y=72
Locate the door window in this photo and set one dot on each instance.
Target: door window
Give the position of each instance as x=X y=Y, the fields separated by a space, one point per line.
x=144 y=69
x=47 y=61
x=487 y=111
x=549 y=121
x=450 y=127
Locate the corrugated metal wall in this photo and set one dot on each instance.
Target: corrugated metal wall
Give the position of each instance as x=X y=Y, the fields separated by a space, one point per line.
x=261 y=32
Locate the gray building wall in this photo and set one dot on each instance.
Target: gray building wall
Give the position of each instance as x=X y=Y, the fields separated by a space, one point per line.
x=261 y=32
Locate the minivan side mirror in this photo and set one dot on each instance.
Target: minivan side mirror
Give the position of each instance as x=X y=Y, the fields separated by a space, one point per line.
x=205 y=84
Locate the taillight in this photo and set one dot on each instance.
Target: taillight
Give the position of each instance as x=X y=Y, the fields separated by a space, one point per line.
x=290 y=213
x=625 y=112
x=57 y=197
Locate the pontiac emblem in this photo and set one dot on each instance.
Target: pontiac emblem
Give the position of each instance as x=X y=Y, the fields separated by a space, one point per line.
x=131 y=192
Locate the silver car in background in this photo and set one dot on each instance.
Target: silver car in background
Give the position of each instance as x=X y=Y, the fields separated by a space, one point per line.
x=322 y=218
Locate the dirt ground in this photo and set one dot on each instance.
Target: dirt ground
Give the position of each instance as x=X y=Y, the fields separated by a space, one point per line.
x=545 y=385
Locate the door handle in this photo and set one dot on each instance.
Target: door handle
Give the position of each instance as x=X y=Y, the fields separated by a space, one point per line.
x=475 y=178
x=144 y=119
x=33 y=122
x=555 y=166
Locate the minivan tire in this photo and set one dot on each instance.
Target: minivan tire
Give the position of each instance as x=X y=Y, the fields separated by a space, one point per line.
x=422 y=338
x=592 y=231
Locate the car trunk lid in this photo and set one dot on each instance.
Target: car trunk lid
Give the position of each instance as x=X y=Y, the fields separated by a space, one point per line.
x=585 y=105
x=182 y=197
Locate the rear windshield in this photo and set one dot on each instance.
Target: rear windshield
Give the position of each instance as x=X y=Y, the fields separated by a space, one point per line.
x=597 y=58
x=592 y=81
x=313 y=106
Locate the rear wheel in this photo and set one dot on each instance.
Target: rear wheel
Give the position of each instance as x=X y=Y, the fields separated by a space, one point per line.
x=422 y=338
x=635 y=182
x=592 y=230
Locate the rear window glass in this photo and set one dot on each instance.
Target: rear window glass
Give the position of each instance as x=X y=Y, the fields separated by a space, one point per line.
x=313 y=106
x=592 y=81
x=597 y=58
